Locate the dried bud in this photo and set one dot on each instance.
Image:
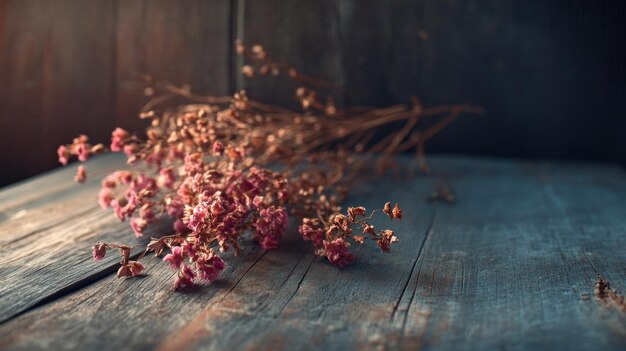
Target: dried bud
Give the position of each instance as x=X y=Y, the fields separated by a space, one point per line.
x=258 y=52
x=63 y=153
x=96 y=149
x=353 y=212
x=248 y=71
x=157 y=246
x=124 y=271
x=396 y=212
x=369 y=229
x=387 y=209
x=239 y=48
x=337 y=252
x=135 y=268
x=218 y=148
x=99 y=251
x=81 y=174
x=386 y=239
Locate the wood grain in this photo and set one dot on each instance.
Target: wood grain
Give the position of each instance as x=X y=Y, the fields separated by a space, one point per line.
x=510 y=265
x=48 y=226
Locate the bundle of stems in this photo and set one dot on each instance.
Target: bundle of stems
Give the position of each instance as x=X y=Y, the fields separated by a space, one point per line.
x=223 y=167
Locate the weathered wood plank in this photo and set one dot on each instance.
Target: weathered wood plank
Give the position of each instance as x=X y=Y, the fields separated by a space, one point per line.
x=504 y=267
x=46 y=239
x=512 y=271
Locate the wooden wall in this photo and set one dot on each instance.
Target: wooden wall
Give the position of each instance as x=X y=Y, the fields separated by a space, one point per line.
x=551 y=74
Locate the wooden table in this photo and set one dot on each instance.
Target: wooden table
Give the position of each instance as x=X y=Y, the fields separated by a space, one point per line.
x=511 y=265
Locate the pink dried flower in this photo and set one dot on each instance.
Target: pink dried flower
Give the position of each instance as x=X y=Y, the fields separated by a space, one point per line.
x=269 y=226
x=175 y=258
x=353 y=212
x=198 y=221
x=218 y=148
x=135 y=268
x=337 y=252
x=257 y=201
x=118 y=210
x=187 y=272
x=81 y=174
x=386 y=239
x=179 y=226
x=210 y=267
x=129 y=150
x=124 y=271
x=227 y=167
x=99 y=251
x=217 y=207
x=396 y=213
x=138 y=225
x=118 y=137
x=167 y=177
x=190 y=248
x=311 y=230
x=63 y=154
x=82 y=150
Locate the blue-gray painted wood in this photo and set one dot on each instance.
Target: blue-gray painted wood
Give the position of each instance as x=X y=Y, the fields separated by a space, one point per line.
x=510 y=265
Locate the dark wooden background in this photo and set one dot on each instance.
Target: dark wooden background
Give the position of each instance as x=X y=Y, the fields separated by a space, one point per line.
x=551 y=74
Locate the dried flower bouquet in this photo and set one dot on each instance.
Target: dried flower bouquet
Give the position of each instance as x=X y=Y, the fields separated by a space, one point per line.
x=226 y=167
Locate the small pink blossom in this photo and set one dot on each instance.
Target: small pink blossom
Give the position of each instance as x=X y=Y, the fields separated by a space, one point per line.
x=118 y=210
x=124 y=271
x=210 y=267
x=81 y=174
x=216 y=207
x=270 y=226
x=187 y=272
x=143 y=182
x=146 y=212
x=129 y=150
x=175 y=208
x=189 y=248
x=310 y=231
x=99 y=251
x=167 y=178
x=218 y=148
x=136 y=268
x=138 y=225
x=131 y=269
x=105 y=197
x=175 y=258
x=179 y=226
x=396 y=213
x=63 y=154
x=82 y=150
x=118 y=137
x=198 y=221
x=257 y=201
x=337 y=252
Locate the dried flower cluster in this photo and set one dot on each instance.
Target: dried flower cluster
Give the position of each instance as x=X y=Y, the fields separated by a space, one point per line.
x=226 y=167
